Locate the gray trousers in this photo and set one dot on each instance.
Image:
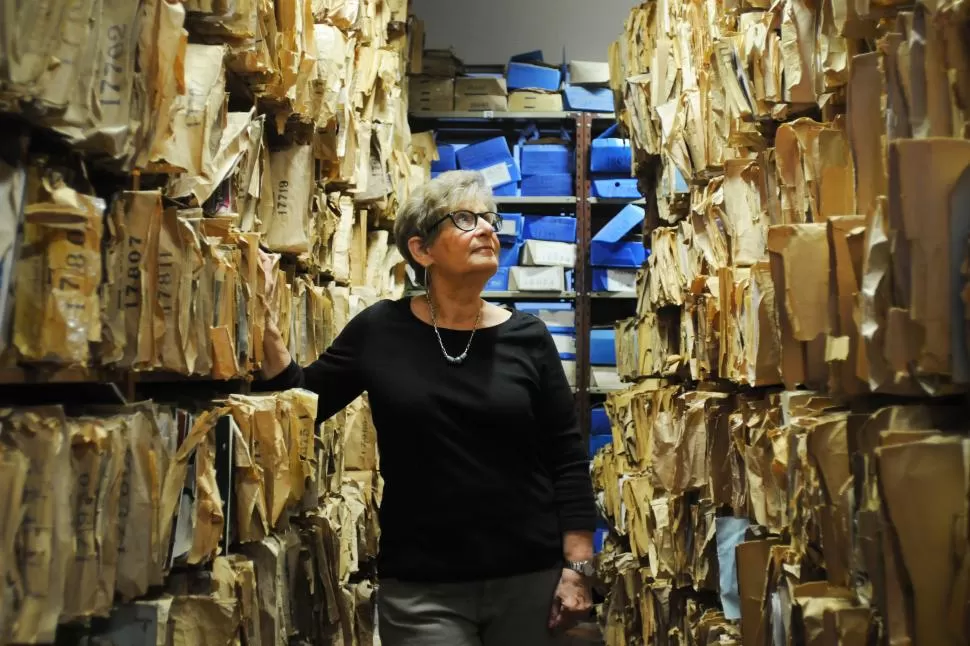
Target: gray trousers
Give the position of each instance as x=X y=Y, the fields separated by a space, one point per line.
x=512 y=611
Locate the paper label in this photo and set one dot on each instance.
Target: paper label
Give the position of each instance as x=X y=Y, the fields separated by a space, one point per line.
x=620 y=281
x=497 y=175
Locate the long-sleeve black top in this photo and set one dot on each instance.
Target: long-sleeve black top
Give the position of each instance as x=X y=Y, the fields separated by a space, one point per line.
x=483 y=463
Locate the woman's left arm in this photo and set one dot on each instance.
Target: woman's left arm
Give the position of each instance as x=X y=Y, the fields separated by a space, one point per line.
x=565 y=454
x=567 y=461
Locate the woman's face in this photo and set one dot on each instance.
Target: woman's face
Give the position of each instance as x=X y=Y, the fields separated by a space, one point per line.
x=457 y=252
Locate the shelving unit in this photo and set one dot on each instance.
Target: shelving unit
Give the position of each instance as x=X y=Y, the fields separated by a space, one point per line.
x=592 y=309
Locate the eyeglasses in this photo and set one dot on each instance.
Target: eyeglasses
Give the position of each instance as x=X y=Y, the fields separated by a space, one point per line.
x=467 y=220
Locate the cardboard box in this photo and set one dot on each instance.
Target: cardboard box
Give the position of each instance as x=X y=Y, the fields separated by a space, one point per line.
x=614 y=280
x=610 y=154
x=553 y=185
x=545 y=159
x=533 y=76
x=558 y=317
x=588 y=99
x=556 y=228
x=485 y=103
x=441 y=63
x=607 y=248
x=542 y=253
x=481 y=93
x=537 y=279
x=589 y=73
x=493 y=159
x=428 y=94
x=524 y=101
x=615 y=188
x=602 y=347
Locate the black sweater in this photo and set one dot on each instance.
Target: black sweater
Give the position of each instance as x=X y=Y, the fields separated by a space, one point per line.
x=483 y=462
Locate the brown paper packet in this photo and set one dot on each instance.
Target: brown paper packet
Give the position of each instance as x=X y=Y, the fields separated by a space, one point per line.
x=90 y=459
x=203 y=621
x=300 y=408
x=209 y=519
x=45 y=545
x=13 y=477
x=288 y=226
x=143 y=216
x=250 y=502
x=57 y=313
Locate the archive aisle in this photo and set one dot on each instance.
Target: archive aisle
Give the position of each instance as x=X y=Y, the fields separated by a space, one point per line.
x=149 y=149
x=787 y=464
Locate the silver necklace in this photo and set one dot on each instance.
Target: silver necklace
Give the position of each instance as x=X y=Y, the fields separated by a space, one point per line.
x=455 y=361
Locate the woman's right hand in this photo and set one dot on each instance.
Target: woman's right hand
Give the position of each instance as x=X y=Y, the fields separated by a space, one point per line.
x=269 y=263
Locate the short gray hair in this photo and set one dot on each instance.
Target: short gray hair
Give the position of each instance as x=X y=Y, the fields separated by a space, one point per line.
x=432 y=201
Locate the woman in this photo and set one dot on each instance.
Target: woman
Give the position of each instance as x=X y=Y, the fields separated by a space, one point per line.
x=488 y=514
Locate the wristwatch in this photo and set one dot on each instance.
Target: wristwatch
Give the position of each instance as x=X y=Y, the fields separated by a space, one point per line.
x=582 y=567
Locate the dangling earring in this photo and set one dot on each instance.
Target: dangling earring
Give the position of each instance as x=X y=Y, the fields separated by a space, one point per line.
x=426 y=278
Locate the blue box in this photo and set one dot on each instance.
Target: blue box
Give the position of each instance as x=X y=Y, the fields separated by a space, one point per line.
x=607 y=249
x=599 y=540
x=558 y=185
x=602 y=347
x=533 y=76
x=609 y=154
x=599 y=422
x=499 y=282
x=605 y=279
x=493 y=159
x=615 y=187
x=446 y=159
x=596 y=442
x=545 y=159
x=555 y=228
x=622 y=254
x=508 y=254
x=586 y=99
x=507 y=190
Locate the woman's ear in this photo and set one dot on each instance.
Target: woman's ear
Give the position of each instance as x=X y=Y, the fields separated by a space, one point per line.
x=419 y=251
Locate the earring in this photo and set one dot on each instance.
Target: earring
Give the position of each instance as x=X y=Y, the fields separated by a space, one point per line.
x=426 y=277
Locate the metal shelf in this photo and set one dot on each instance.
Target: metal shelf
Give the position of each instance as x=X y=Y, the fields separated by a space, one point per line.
x=604 y=391
x=617 y=200
x=528 y=296
x=510 y=116
x=535 y=200
x=614 y=295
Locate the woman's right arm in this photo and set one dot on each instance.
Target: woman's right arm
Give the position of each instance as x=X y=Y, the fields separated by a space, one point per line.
x=336 y=376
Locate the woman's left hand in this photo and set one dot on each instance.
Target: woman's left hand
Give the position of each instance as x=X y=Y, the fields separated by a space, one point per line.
x=571 y=602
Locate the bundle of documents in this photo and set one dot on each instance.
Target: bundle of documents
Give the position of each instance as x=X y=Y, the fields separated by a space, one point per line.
x=782 y=471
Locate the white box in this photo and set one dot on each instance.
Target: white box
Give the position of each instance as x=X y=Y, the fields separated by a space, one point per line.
x=537 y=279
x=605 y=378
x=543 y=253
x=565 y=343
x=617 y=280
x=569 y=367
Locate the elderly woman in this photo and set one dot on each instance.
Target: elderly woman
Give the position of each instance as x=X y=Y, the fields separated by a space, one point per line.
x=488 y=513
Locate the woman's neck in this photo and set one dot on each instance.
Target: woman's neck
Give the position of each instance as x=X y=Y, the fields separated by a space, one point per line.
x=455 y=305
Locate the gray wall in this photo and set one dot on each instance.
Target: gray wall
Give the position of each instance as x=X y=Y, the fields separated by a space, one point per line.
x=490 y=31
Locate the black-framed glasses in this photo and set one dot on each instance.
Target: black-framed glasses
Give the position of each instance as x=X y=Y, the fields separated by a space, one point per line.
x=468 y=220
